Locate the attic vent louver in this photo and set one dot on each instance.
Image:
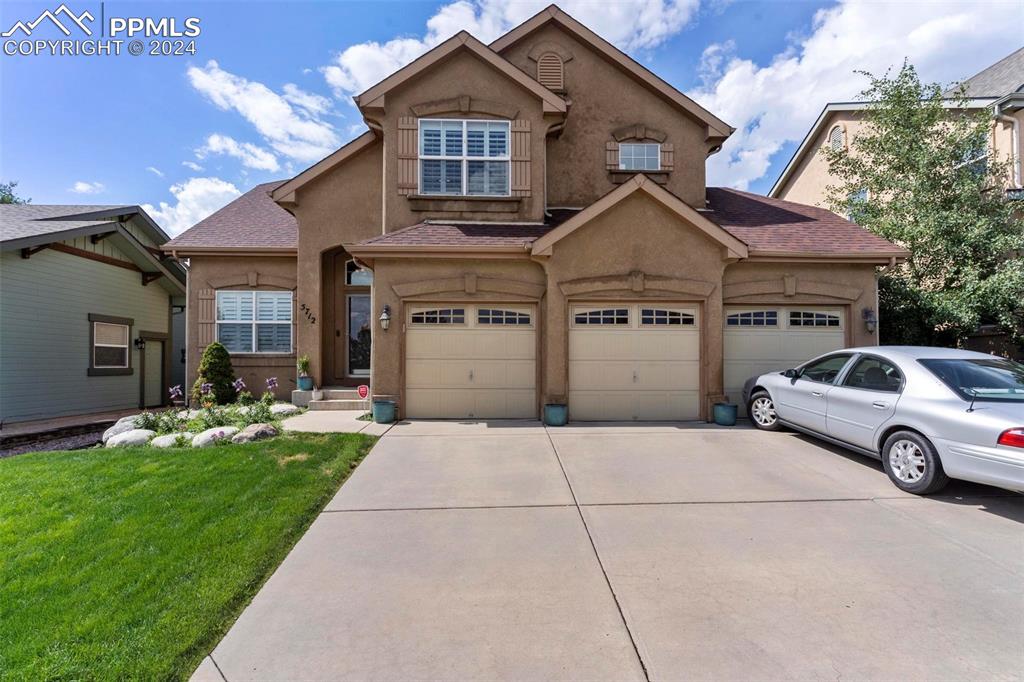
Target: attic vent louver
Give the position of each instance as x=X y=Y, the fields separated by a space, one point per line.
x=550 y=73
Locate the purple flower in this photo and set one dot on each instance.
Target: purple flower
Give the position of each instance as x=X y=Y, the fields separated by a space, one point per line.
x=205 y=389
x=176 y=392
x=271 y=383
x=239 y=385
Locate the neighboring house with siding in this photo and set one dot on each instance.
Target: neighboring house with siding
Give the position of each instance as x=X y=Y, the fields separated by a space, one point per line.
x=86 y=304
x=527 y=222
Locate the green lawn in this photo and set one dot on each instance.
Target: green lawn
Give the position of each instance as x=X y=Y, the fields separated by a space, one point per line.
x=132 y=563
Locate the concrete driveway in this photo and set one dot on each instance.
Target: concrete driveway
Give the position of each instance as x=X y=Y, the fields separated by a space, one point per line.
x=601 y=552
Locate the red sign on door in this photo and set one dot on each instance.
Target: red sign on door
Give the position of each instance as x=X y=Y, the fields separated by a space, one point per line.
x=364 y=391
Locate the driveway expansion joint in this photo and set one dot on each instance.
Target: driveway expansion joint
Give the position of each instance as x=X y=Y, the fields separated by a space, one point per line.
x=597 y=555
x=219 y=671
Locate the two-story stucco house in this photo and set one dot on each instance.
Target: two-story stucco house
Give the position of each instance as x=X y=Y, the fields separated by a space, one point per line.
x=88 y=304
x=528 y=222
x=998 y=89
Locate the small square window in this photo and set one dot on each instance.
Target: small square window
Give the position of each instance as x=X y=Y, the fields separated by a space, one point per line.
x=640 y=157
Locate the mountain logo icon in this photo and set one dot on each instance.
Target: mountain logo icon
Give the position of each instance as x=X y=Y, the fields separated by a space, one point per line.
x=53 y=16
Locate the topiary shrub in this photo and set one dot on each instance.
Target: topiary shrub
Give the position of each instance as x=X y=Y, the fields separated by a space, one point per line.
x=215 y=370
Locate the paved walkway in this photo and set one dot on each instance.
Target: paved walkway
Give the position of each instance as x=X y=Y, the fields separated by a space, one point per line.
x=487 y=551
x=334 y=421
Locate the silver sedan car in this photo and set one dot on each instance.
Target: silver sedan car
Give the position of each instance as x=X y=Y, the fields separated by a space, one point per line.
x=930 y=414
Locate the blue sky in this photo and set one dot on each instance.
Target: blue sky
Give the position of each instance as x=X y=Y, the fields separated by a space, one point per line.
x=268 y=91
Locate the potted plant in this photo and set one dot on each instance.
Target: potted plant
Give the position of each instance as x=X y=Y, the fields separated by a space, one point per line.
x=305 y=381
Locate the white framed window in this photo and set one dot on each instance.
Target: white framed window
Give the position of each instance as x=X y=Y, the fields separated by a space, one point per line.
x=660 y=317
x=753 y=318
x=356 y=276
x=255 y=321
x=110 y=345
x=836 y=138
x=434 y=316
x=500 y=316
x=461 y=157
x=617 y=317
x=814 y=319
x=640 y=156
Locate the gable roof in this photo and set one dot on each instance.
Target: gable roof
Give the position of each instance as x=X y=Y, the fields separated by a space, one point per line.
x=462 y=40
x=640 y=183
x=1002 y=78
x=284 y=192
x=252 y=222
x=553 y=14
x=774 y=227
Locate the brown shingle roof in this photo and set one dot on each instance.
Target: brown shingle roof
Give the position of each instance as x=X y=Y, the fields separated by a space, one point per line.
x=775 y=226
x=252 y=221
x=438 y=233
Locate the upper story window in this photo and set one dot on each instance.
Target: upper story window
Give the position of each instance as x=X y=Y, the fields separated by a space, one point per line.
x=460 y=157
x=836 y=138
x=639 y=156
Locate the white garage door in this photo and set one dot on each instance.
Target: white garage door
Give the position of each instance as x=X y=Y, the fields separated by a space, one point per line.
x=635 y=361
x=765 y=338
x=470 y=361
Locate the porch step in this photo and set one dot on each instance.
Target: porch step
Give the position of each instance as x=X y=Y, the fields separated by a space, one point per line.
x=335 y=404
x=304 y=398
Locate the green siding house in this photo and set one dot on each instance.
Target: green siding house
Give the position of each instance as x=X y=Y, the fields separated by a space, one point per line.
x=87 y=307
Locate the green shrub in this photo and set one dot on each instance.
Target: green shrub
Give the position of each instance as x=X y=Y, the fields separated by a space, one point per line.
x=256 y=413
x=216 y=371
x=147 y=420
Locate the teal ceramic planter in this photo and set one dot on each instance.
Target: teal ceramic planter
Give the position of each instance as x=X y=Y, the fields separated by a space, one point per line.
x=305 y=383
x=556 y=415
x=383 y=411
x=724 y=414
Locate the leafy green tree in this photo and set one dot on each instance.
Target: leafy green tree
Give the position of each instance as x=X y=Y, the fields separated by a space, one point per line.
x=215 y=376
x=7 y=195
x=919 y=175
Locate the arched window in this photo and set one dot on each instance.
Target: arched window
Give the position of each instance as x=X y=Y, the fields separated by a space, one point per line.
x=550 y=72
x=835 y=138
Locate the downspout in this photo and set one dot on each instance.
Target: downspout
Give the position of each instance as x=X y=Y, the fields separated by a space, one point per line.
x=1014 y=143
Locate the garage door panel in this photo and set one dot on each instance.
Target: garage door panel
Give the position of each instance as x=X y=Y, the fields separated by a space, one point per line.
x=503 y=373
x=666 y=406
x=651 y=345
x=600 y=375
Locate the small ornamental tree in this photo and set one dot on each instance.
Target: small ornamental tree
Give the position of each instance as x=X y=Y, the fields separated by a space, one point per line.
x=215 y=369
x=919 y=173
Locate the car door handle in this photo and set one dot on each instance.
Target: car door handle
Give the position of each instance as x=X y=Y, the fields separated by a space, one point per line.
x=817 y=394
x=878 y=405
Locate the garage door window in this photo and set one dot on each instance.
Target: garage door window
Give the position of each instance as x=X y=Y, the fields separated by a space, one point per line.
x=605 y=316
x=495 y=316
x=439 y=316
x=662 y=317
x=753 y=318
x=808 y=318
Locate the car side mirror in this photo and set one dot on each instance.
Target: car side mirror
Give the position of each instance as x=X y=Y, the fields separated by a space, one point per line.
x=791 y=374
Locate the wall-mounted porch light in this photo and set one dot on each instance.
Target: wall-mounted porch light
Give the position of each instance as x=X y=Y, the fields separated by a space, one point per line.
x=385 y=317
x=870 y=319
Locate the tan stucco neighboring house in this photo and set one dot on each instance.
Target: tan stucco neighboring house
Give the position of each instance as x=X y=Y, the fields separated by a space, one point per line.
x=527 y=222
x=998 y=89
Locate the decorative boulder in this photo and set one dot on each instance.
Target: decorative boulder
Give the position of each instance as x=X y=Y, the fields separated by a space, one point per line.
x=254 y=432
x=282 y=409
x=130 y=438
x=123 y=425
x=211 y=436
x=189 y=414
x=171 y=440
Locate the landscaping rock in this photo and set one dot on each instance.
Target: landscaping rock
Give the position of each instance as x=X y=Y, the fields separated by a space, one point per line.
x=254 y=432
x=171 y=439
x=211 y=436
x=123 y=425
x=281 y=409
x=130 y=438
x=189 y=414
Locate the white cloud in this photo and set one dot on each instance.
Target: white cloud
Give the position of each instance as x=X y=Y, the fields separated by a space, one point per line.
x=155 y=171
x=311 y=103
x=629 y=24
x=82 y=187
x=294 y=131
x=196 y=198
x=192 y=165
x=777 y=103
x=251 y=156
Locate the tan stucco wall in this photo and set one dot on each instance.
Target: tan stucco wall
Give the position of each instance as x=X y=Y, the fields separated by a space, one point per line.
x=342 y=206
x=204 y=273
x=605 y=98
x=463 y=74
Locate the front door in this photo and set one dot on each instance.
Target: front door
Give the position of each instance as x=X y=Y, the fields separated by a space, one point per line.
x=359 y=326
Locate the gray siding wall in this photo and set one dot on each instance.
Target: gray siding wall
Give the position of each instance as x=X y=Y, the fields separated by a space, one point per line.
x=45 y=303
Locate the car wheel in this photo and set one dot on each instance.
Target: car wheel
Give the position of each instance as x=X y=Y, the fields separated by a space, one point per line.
x=912 y=464
x=761 y=411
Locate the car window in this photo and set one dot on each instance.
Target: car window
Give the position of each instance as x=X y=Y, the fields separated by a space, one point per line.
x=825 y=370
x=874 y=374
x=980 y=379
